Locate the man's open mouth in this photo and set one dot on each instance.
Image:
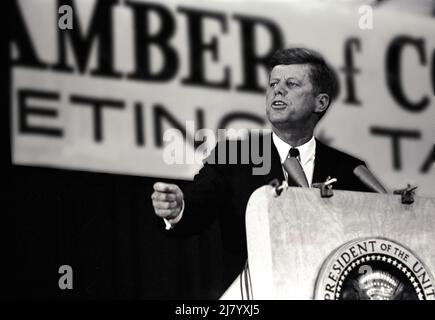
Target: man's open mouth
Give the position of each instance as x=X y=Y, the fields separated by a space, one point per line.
x=278 y=104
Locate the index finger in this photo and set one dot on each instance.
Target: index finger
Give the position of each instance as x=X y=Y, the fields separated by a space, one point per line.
x=165 y=187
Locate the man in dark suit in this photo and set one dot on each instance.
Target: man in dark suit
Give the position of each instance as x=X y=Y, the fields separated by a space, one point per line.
x=301 y=88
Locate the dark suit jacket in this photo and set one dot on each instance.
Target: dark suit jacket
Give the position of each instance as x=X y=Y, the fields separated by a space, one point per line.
x=222 y=191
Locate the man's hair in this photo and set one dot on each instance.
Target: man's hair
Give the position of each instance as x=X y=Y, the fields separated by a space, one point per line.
x=322 y=76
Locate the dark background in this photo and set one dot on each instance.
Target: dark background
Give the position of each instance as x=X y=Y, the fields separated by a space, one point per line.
x=104 y=227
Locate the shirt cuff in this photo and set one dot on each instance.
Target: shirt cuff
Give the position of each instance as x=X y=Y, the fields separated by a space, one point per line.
x=170 y=223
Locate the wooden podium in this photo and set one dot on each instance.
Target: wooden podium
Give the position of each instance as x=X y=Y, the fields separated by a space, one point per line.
x=353 y=245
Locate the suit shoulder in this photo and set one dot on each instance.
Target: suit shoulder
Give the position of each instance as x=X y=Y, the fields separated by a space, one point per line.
x=338 y=155
x=240 y=146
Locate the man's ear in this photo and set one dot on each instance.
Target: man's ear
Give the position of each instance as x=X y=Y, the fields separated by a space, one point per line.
x=322 y=102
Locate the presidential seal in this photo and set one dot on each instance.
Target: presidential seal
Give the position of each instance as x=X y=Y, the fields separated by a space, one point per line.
x=374 y=269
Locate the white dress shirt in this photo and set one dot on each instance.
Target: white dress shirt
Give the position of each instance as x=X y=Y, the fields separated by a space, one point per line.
x=307 y=154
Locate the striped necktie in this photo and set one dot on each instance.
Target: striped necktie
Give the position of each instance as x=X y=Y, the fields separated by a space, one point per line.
x=292 y=166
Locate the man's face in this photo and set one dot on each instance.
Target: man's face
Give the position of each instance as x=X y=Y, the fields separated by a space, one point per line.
x=290 y=100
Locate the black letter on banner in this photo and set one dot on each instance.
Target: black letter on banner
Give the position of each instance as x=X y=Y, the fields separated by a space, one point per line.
x=249 y=45
x=429 y=161
x=433 y=72
x=240 y=116
x=197 y=47
x=25 y=111
x=100 y=28
x=393 y=71
x=19 y=35
x=139 y=132
x=246 y=152
x=97 y=105
x=144 y=40
x=349 y=70
x=396 y=134
x=160 y=113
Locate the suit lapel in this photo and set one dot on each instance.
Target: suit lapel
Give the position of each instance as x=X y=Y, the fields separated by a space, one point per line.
x=322 y=163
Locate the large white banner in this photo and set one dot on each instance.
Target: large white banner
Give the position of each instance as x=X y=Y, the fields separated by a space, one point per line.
x=100 y=96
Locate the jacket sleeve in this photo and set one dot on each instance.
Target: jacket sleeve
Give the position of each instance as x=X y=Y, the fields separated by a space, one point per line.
x=204 y=197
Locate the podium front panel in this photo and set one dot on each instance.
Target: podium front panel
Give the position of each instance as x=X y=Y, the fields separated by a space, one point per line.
x=291 y=237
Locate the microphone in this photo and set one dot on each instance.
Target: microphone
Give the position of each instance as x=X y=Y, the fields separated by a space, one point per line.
x=368 y=179
x=295 y=172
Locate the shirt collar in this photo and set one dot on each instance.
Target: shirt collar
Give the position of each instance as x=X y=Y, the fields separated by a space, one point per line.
x=306 y=151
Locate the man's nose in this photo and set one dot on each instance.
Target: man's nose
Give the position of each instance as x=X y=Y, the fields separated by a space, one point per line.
x=279 y=89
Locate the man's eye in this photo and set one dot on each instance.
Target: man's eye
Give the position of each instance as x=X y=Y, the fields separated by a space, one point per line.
x=273 y=84
x=292 y=84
